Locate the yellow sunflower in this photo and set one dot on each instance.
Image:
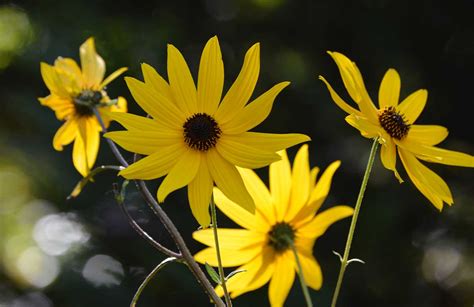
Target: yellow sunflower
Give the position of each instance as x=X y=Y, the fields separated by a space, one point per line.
x=286 y=211
x=73 y=93
x=194 y=137
x=394 y=124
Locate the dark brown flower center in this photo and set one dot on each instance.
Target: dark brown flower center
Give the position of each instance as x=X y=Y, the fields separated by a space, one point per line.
x=85 y=101
x=281 y=236
x=201 y=132
x=394 y=123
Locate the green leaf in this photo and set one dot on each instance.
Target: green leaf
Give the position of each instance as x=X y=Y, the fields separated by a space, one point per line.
x=234 y=273
x=212 y=273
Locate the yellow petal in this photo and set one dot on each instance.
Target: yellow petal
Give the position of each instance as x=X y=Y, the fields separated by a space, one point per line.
x=65 y=135
x=232 y=239
x=120 y=106
x=313 y=175
x=269 y=141
x=135 y=122
x=280 y=185
x=301 y=184
x=321 y=222
x=427 y=134
x=156 y=104
x=427 y=182
x=312 y=274
x=199 y=194
x=69 y=73
x=243 y=87
x=145 y=142
x=338 y=100
x=93 y=66
x=210 y=78
x=113 y=76
x=155 y=165
x=238 y=214
x=412 y=106
x=282 y=278
x=388 y=155
x=255 y=112
x=155 y=81
x=92 y=140
x=229 y=181
x=437 y=155
x=52 y=81
x=389 y=91
x=229 y=257
x=243 y=155
x=181 y=82
x=260 y=194
x=62 y=107
x=182 y=173
x=366 y=128
x=79 y=155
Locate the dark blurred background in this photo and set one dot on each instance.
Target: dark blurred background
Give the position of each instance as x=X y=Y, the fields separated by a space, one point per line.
x=82 y=252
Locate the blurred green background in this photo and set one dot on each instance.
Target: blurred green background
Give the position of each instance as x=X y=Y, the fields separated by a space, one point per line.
x=82 y=252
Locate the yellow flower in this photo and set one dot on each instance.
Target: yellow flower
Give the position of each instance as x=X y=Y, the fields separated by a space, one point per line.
x=196 y=139
x=287 y=211
x=73 y=93
x=394 y=124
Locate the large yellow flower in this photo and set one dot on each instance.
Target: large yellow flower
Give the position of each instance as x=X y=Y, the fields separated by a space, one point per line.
x=394 y=124
x=73 y=93
x=287 y=211
x=196 y=139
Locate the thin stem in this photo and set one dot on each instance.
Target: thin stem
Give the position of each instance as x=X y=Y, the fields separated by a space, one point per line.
x=218 y=252
x=167 y=223
x=304 y=286
x=350 y=235
x=148 y=278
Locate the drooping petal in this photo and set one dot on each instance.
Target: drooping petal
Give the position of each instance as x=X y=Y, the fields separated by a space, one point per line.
x=312 y=274
x=260 y=194
x=280 y=185
x=437 y=155
x=388 y=155
x=413 y=105
x=338 y=100
x=282 y=279
x=210 y=78
x=182 y=173
x=156 y=165
x=321 y=222
x=93 y=66
x=144 y=142
x=229 y=257
x=156 y=104
x=269 y=141
x=52 y=81
x=389 y=91
x=112 y=77
x=229 y=181
x=92 y=140
x=301 y=184
x=427 y=182
x=181 y=82
x=232 y=239
x=200 y=193
x=79 y=154
x=240 y=154
x=427 y=134
x=65 y=135
x=243 y=87
x=135 y=122
x=238 y=214
x=366 y=128
x=154 y=80
x=254 y=113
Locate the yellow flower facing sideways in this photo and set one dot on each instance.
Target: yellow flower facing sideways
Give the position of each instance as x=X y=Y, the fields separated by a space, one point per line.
x=394 y=124
x=74 y=90
x=285 y=213
x=196 y=138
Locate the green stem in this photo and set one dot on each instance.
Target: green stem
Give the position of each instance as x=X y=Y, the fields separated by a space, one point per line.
x=304 y=287
x=218 y=252
x=350 y=235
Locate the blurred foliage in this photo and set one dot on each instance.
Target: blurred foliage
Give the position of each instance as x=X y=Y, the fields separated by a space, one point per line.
x=55 y=252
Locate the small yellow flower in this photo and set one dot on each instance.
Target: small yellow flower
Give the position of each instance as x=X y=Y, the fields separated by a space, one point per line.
x=196 y=139
x=73 y=93
x=287 y=211
x=394 y=124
